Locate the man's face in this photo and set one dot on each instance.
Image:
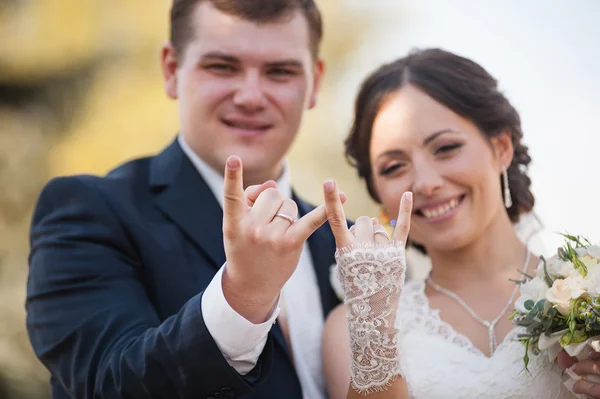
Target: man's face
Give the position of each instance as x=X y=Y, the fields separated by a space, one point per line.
x=242 y=88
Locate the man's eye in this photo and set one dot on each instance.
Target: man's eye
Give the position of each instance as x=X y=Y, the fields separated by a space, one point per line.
x=221 y=67
x=281 y=72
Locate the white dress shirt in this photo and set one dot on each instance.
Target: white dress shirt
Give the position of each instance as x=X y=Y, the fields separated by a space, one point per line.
x=240 y=341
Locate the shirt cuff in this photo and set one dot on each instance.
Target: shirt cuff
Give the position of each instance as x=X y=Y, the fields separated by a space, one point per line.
x=240 y=341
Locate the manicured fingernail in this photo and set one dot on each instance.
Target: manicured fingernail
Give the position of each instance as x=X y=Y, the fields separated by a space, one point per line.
x=329 y=185
x=573 y=367
x=393 y=222
x=233 y=163
x=408 y=196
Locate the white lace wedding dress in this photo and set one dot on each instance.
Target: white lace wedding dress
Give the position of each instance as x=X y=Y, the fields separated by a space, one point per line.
x=439 y=363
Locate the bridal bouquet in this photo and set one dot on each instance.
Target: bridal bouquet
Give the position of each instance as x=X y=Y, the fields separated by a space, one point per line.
x=560 y=305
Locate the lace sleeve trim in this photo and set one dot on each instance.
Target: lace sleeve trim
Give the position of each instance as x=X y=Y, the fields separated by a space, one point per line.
x=373 y=277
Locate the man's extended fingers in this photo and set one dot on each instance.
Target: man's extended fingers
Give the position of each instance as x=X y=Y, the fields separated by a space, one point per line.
x=234 y=204
x=404 y=213
x=335 y=214
x=252 y=192
x=310 y=222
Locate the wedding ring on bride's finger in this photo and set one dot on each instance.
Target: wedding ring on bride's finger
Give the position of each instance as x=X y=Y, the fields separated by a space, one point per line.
x=284 y=216
x=383 y=232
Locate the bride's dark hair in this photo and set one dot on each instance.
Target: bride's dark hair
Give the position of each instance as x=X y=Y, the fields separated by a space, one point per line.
x=459 y=84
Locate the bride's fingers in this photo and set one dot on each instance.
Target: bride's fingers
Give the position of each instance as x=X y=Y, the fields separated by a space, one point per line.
x=403 y=222
x=335 y=215
x=380 y=235
x=364 y=229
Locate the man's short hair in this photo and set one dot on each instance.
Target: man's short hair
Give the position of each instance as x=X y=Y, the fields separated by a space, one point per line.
x=259 y=11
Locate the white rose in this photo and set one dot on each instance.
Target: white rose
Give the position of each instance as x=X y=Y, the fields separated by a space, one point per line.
x=567 y=269
x=593 y=250
x=563 y=290
x=590 y=261
x=535 y=290
x=591 y=283
x=553 y=266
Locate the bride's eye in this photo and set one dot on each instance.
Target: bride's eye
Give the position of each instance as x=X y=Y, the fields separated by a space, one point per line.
x=448 y=148
x=390 y=169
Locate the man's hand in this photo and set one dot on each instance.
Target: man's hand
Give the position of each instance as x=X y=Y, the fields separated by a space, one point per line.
x=263 y=242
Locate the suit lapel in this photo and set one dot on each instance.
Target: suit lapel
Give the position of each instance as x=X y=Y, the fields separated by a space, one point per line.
x=183 y=195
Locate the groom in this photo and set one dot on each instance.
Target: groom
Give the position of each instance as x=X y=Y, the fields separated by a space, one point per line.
x=128 y=295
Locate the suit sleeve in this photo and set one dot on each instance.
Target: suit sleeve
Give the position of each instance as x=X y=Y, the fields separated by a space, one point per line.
x=91 y=322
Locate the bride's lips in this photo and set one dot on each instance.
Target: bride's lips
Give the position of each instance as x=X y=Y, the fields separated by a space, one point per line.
x=440 y=210
x=247 y=127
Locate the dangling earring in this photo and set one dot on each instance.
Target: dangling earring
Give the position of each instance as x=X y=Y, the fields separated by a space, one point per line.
x=507 y=197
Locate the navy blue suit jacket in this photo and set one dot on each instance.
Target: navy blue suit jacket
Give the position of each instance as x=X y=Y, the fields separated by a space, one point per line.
x=118 y=265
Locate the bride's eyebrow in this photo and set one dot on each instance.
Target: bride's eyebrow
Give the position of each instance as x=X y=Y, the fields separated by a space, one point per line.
x=428 y=139
x=390 y=153
x=433 y=136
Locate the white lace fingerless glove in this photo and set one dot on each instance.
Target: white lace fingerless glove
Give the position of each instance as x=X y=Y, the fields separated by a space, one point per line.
x=372 y=276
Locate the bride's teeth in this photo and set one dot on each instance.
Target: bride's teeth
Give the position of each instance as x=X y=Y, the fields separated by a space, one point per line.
x=440 y=210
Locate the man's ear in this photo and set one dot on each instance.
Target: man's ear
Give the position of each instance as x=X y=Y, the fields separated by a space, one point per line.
x=319 y=70
x=169 y=66
x=503 y=149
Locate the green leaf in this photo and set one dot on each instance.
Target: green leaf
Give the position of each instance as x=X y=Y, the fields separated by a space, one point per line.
x=572 y=256
x=540 y=305
x=547 y=277
x=526 y=275
x=526 y=342
x=579 y=336
x=580 y=242
x=566 y=339
x=529 y=304
x=519 y=282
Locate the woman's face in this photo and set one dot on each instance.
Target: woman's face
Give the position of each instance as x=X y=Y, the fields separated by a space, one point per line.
x=419 y=145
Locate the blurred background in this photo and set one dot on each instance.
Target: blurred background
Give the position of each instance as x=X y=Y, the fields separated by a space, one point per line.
x=81 y=91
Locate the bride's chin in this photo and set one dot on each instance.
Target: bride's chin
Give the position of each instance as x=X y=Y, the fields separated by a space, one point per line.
x=447 y=243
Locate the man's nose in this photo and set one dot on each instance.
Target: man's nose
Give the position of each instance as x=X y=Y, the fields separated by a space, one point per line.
x=249 y=93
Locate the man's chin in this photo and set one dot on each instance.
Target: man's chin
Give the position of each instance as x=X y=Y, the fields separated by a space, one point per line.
x=258 y=171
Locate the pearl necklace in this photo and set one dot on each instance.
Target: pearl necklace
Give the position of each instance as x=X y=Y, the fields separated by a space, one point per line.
x=490 y=325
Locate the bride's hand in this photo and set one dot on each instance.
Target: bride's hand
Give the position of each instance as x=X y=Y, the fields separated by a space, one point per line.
x=582 y=368
x=364 y=230
x=371 y=268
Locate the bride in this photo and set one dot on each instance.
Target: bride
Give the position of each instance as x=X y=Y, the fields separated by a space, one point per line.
x=433 y=132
